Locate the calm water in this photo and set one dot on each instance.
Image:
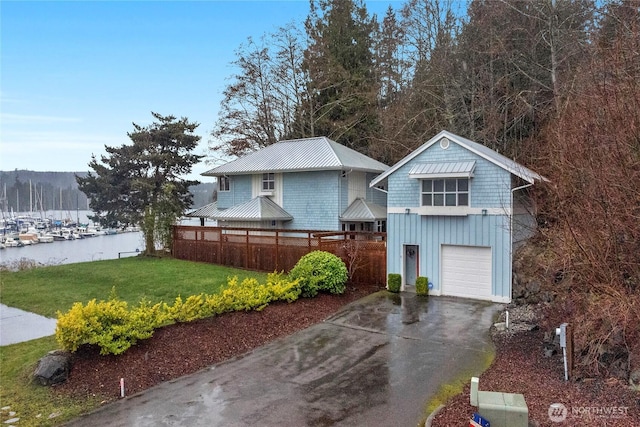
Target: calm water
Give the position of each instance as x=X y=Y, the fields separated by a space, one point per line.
x=79 y=250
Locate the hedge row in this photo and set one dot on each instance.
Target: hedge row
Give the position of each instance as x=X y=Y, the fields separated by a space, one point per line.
x=114 y=327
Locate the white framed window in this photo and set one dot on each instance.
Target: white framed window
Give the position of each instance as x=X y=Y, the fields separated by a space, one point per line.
x=268 y=181
x=445 y=192
x=223 y=183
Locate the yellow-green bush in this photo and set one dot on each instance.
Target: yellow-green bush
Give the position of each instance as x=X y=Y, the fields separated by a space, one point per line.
x=107 y=324
x=114 y=327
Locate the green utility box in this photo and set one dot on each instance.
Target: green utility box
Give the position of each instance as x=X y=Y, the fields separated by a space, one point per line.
x=500 y=409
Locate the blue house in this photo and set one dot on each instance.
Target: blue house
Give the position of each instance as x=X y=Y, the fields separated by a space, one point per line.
x=455 y=212
x=302 y=184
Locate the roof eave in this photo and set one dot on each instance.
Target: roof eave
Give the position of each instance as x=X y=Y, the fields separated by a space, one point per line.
x=530 y=176
x=258 y=171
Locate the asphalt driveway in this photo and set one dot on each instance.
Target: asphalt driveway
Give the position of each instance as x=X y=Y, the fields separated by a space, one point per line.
x=375 y=363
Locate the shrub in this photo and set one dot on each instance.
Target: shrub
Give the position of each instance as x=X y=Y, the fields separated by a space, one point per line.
x=394 y=282
x=422 y=285
x=107 y=324
x=193 y=308
x=283 y=289
x=113 y=327
x=320 y=271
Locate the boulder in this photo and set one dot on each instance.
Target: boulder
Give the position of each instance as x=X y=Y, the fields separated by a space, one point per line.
x=53 y=368
x=634 y=379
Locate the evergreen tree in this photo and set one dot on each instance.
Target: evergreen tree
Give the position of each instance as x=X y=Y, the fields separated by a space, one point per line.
x=339 y=64
x=141 y=183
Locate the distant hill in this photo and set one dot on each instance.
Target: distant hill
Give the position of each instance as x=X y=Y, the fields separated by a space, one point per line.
x=25 y=190
x=56 y=179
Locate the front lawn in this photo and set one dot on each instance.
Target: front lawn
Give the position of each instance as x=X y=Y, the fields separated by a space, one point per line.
x=47 y=290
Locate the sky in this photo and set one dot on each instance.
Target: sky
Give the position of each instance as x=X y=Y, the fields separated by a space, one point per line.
x=75 y=75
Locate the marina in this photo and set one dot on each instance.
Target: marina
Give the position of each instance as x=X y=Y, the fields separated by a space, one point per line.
x=100 y=247
x=54 y=238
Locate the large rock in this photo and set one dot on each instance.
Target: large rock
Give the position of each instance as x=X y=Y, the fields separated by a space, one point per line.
x=634 y=380
x=53 y=368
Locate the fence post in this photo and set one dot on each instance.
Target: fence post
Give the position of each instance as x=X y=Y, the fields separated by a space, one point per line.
x=247 y=261
x=277 y=251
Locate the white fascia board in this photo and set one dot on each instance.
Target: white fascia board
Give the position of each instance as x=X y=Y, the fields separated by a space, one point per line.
x=447 y=210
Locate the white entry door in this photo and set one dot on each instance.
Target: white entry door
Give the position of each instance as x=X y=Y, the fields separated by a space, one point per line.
x=466 y=271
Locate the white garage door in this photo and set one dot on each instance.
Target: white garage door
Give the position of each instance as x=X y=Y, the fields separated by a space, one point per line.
x=466 y=271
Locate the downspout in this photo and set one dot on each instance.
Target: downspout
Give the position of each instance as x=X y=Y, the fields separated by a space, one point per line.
x=340 y=200
x=513 y=190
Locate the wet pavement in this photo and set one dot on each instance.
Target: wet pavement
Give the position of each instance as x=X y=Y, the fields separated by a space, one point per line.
x=18 y=325
x=377 y=362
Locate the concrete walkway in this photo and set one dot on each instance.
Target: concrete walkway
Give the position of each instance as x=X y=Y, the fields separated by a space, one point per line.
x=18 y=325
x=376 y=362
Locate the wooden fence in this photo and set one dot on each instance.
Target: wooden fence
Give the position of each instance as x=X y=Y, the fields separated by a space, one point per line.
x=364 y=253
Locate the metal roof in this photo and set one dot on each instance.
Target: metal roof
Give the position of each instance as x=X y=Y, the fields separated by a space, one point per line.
x=479 y=149
x=361 y=210
x=442 y=170
x=306 y=154
x=260 y=208
x=206 y=211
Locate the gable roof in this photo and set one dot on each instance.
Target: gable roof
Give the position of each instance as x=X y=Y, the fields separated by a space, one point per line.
x=362 y=210
x=479 y=149
x=300 y=155
x=259 y=208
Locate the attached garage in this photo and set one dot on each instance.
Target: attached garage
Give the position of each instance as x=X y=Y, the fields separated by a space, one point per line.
x=466 y=271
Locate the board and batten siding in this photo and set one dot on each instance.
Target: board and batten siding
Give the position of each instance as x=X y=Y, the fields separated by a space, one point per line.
x=357 y=187
x=275 y=194
x=431 y=232
x=310 y=197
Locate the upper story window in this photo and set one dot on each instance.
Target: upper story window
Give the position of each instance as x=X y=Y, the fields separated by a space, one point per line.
x=445 y=192
x=223 y=183
x=268 y=181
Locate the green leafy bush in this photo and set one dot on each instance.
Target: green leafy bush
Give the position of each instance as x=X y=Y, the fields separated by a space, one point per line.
x=394 y=282
x=109 y=324
x=114 y=327
x=320 y=271
x=422 y=285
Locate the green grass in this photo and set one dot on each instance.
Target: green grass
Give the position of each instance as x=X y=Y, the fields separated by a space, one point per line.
x=456 y=385
x=49 y=289
x=32 y=403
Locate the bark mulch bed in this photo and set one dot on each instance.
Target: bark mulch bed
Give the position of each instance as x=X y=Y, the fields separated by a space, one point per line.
x=184 y=348
x=181 y=349
x=521 y=367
